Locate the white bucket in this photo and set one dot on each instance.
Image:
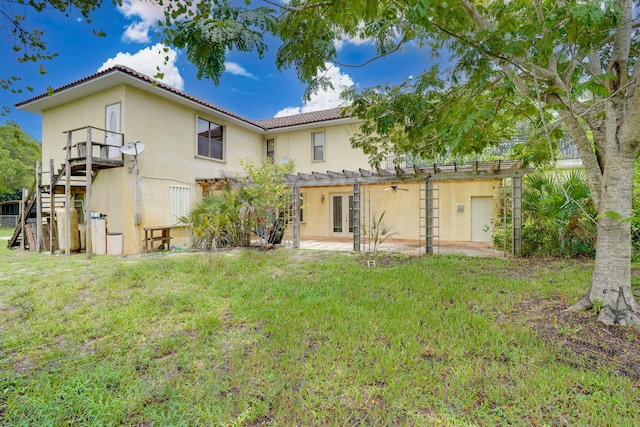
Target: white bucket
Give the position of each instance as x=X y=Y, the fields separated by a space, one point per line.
x=98 y=236
x=114 y=244
x=83 y=236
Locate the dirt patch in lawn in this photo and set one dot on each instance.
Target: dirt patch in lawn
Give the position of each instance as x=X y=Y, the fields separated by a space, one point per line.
x=589 y=343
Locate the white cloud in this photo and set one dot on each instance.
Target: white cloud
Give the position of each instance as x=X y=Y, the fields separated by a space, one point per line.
x=137 y=32
x=356 y=41
x=237 y=69
x=146 y=60
x=146 y=14
x=324 y=99
x=289 y=111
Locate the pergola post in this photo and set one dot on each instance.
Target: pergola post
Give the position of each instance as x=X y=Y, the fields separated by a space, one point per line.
x=52 y=208
x=296 y=216
x=87 y=197
x=356 y=217
x=429 y=219
x=23 y=215
x=67 y=196
x=516 y=214
x=38 y=207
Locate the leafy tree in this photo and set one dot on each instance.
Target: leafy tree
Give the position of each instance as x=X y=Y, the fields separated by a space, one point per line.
x=18 y=155
x=267 y=190
x=28 y=44
x=230 y=216
x=216 y=221
x=556 y=64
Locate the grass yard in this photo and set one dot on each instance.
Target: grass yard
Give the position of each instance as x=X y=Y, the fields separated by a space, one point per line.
x=6 y=232
x=309 y=339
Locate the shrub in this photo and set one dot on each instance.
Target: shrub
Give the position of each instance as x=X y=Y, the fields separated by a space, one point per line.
x=230 y=216
x=557 y=216
x=216 y=220
x=267 y=212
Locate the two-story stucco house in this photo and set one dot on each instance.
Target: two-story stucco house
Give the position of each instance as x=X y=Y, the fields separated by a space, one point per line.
x=190 y=145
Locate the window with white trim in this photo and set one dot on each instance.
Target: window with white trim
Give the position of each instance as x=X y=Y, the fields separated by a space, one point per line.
x=317 y=146
x=179 y=203
x=210 y=139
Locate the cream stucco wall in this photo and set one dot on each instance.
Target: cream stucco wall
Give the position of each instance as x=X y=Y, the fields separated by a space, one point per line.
x=297 y=145
x=455 y=225
x=401 y=208
x=73 y=115
x=168 y=131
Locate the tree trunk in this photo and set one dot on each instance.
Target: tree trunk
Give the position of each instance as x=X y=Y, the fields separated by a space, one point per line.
x=610 y=288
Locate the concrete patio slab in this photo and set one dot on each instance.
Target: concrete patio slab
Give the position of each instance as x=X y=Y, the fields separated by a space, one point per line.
x=476 y=249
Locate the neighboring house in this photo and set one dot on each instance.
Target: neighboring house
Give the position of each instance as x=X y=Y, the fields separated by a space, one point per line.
x=9 y=211
x=192 y=145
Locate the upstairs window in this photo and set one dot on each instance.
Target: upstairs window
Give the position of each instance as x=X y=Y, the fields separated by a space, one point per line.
x=210 y=140
x=317 y=142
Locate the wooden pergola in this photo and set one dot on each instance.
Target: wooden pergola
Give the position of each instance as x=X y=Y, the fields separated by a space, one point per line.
x=498 y=169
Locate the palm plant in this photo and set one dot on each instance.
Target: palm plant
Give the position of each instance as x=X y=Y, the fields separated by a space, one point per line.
x=216 y=220
x=558 y=214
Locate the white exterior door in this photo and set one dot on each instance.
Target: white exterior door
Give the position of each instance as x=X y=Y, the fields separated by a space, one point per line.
x=112 y=123
x=342 y=214
x=481 y=219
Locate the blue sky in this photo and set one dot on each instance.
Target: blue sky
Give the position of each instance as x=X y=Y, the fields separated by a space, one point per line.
x=250 y=87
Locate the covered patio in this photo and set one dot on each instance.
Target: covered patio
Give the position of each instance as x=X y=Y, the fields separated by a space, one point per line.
x=510 y=172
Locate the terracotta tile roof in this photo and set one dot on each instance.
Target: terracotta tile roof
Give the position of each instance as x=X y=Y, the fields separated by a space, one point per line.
x=266 y=124
x=300 y=119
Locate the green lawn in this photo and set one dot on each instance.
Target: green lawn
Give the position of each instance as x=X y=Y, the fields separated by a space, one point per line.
x=298 y=338
x=6 y=232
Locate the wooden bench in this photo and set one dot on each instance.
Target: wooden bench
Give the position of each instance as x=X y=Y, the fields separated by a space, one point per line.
x=158 y=233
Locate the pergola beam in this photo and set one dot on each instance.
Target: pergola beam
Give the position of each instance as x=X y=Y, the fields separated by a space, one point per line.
x=351 y=178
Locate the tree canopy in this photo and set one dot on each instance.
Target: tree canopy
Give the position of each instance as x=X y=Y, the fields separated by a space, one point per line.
x=18 y=155
x=545 y=66
x=28 y=43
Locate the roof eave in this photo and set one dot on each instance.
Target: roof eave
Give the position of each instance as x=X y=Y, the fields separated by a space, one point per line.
x=49 y=100
x=115 y=77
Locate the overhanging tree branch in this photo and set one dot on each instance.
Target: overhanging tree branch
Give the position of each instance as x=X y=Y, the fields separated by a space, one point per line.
x=304 y=7
x=382 y=55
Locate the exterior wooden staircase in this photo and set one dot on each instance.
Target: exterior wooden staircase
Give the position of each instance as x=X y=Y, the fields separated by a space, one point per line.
x=36 y=226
